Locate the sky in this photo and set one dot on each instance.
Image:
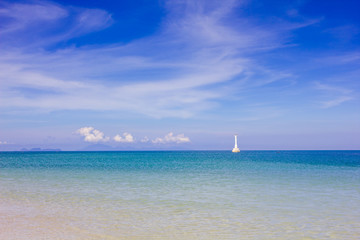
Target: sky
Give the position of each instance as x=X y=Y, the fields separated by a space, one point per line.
x=180 y=75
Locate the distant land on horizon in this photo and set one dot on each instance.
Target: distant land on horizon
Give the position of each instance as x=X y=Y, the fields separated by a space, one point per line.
x=40 y=150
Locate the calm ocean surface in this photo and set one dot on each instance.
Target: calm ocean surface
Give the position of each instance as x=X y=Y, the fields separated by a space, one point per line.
x=180 y=195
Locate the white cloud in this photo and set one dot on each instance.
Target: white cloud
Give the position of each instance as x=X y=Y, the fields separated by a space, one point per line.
x=171 y=138
x=3 y=142
x=127 y=138
x=145 y=139
x=92 y=135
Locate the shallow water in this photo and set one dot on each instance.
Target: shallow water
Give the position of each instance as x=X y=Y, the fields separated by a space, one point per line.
x=180 y=195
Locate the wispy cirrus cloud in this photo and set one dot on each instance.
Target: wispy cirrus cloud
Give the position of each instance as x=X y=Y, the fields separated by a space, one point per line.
x=336 y=95
x=178 y=72
x=344 y=33
x=20 y=17
x=335 y=102
x=343 y=58
x=332 y=88
x=43 y=23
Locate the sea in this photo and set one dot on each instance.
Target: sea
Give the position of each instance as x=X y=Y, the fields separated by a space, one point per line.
x=180 y=195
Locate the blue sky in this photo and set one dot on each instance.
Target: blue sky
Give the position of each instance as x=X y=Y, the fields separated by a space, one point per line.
x=180 y=74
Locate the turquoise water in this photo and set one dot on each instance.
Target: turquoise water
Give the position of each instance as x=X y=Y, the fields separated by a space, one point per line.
x=180 y=195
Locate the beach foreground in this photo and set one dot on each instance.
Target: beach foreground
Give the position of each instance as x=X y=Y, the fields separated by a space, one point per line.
x=180 y=195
